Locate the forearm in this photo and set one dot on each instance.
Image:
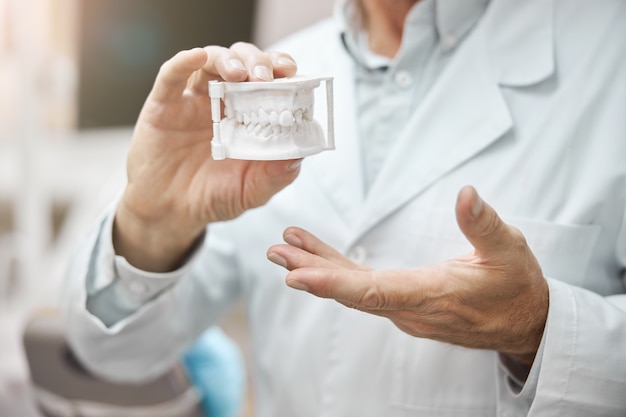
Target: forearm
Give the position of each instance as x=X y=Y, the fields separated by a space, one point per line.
x=152 y=244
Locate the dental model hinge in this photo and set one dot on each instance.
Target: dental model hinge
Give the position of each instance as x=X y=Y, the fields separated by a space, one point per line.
x=330 y=112
x=216 y=92
x=216 y=89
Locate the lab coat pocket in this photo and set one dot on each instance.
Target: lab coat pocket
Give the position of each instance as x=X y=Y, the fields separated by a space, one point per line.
x=563 y=250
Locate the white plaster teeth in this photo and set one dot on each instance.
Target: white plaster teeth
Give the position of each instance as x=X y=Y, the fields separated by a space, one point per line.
x=264 y=118
x=286 y=118
x=298 y=116
x=273 y=123
x=274 y=118
x=257 y=129
x=265 y=124
x=267 y=131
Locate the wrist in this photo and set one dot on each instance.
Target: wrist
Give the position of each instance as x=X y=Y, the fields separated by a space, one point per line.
x=152 y=244
x=531 y=323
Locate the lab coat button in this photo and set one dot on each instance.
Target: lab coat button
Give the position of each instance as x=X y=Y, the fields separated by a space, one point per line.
x=137 y=287
x=403 y=79
x=449 y=41
x=358 y=255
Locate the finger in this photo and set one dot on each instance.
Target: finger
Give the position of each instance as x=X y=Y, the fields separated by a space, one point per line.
x=258 y=63
x=221 y=64
x=266 y=178
x=303 y=239
x=482 y=226
x=284 y=65
x=364 y=290
x=291 y=258
x=173 y=75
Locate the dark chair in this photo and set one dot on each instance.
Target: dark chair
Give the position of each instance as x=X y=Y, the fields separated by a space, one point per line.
x=63 y=388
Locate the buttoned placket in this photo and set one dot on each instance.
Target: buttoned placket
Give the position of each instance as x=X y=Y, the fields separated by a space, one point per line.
x=386 y=97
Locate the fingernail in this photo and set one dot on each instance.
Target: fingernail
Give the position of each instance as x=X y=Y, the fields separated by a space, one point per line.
x=277 y=259
x=236 y=64
x=262 y=72
x=285 y=62
x=297 y=285
x=477 y=206
x=295 y=165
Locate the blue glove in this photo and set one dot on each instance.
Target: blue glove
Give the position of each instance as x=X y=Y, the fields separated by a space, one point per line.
x=216 y=368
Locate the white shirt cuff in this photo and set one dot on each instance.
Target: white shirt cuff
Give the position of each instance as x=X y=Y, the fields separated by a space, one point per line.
x=119 y=289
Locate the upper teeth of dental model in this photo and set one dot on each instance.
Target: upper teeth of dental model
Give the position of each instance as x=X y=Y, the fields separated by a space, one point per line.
x=268 y=120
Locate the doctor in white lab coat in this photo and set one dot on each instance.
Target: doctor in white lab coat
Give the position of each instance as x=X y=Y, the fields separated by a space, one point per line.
x=454 y=311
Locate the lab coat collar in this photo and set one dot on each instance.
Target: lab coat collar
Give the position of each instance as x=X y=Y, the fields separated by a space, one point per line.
x=463 y=114
x=521 y=40
x=455 y=18
x=511 y=45
x=520 y=33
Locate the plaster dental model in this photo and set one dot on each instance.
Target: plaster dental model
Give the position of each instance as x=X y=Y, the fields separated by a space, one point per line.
x=269 y=120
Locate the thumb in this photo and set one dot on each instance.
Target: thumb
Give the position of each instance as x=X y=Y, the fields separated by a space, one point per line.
x=480 y=223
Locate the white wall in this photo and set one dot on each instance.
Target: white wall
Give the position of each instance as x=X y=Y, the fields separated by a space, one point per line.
x=277 y=18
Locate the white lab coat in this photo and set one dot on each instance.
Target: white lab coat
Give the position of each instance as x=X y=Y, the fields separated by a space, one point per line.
x=531 y=110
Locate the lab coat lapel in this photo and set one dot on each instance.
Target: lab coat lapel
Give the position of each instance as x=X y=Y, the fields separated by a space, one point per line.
x=464 y=112
x=339 y=172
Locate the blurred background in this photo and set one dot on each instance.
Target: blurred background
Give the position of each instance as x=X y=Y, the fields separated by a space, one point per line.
x=73 y=77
